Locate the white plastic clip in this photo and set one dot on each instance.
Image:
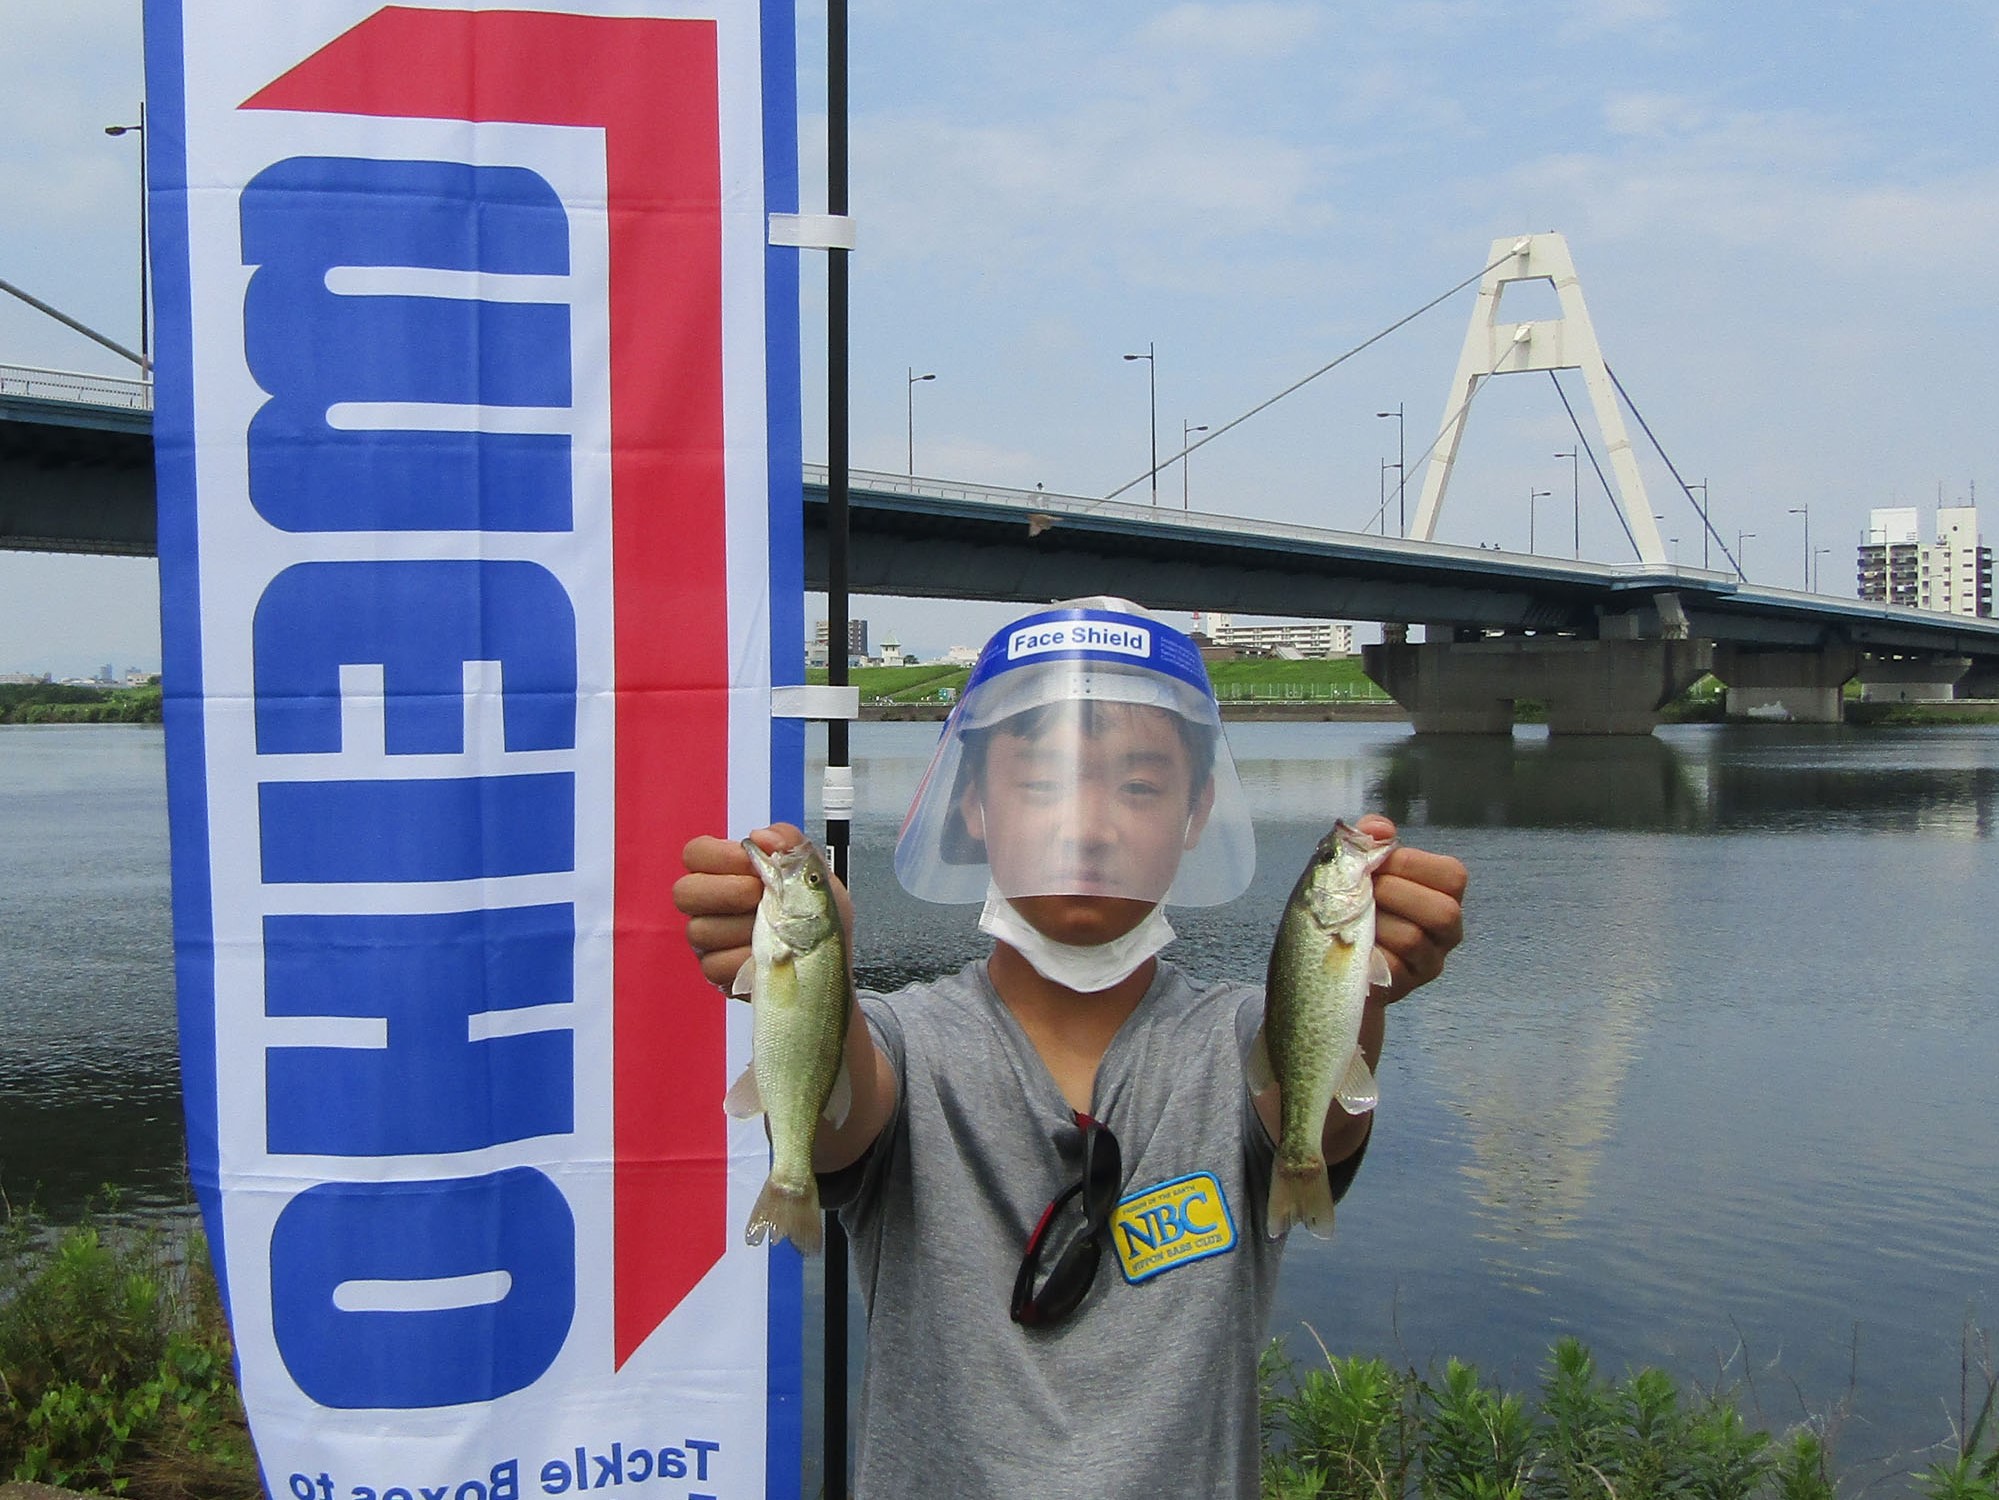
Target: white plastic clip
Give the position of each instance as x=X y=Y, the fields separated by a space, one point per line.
x=813 y=231
x=802 y=700
x=837 y=794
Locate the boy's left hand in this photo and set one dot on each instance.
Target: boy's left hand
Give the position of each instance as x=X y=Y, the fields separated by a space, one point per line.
x=1418 y=911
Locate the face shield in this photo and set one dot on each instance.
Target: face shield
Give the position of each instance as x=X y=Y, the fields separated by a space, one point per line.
x=1085 y=758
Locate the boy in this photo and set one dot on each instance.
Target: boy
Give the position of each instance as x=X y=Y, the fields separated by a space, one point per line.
x=1070 y=1093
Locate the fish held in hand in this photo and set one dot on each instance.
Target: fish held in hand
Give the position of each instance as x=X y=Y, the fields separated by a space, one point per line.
x=1322 y=965
x=799 y=996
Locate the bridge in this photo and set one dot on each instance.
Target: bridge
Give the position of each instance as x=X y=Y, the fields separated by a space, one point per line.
x=1604 y=645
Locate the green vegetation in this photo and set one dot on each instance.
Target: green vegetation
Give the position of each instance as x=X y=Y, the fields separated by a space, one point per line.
x=1357 y=1430
x=1262 y=680
x=115 y=1365
x=60 y=703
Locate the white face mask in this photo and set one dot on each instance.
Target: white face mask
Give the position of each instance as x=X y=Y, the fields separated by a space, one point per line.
x=1082 y=969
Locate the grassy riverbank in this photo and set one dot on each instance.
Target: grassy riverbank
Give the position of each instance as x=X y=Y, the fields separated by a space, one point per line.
x=116 y=1378
x=65 y=703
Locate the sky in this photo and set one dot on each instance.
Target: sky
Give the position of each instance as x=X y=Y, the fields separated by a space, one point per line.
x=1783 y=218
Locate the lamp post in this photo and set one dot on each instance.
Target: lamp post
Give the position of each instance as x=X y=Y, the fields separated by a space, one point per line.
x=1817 y=553
x=1532 y=496
x=145 y=285
x=1186 y=431
x=1806 y=512
x=1574 y=456
x=1702 y=509
x=914 y=381
x=1152 y=381
x=1401 y=470
x=1741 y=570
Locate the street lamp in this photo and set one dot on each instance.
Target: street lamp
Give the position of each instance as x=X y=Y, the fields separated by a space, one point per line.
x=1702 y=510
x=1574 y=456
x=1532 y=496
x=1401 y=469
x=1817 y=553
x=1186 y=431
x=1152 y=381
x=914 y=381
x=1741 y=571
x=1806 y=512
x=145 y=286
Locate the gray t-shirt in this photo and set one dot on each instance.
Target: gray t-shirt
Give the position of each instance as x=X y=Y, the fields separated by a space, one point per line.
x=1149 y=1388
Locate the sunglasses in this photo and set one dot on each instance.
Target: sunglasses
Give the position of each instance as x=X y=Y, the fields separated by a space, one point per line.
x=1077 y=1227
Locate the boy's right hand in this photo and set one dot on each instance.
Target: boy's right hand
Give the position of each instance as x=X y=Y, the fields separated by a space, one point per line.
x=719 y=893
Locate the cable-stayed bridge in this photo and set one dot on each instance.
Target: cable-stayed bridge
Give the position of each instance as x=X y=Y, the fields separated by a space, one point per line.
x=1603 y=645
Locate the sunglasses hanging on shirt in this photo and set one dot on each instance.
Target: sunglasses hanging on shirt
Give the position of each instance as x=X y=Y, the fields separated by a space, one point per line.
x=1070 y=1233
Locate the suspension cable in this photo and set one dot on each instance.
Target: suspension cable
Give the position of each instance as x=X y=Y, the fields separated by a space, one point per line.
x=1323 y=369
x=1582 y=441
x=1686 y=489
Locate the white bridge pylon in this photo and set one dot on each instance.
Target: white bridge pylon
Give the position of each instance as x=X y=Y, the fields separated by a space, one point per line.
x=1564 y=343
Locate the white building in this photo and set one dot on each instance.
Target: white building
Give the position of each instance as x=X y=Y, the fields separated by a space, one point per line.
x=1952 y=575
x=1317 y=639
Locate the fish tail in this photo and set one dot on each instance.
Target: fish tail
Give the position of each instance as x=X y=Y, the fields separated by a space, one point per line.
x=786 y=1213
x=1300 y=1195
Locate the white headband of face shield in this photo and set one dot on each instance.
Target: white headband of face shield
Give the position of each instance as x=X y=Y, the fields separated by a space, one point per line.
x=1085 y=758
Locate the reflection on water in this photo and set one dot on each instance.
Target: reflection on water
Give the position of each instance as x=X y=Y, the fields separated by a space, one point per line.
x=1699 y=778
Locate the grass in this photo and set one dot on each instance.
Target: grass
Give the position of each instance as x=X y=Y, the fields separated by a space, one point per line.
x=1355 y=1429
x=60 y=703
x=1235 y=681
x=116 y=1372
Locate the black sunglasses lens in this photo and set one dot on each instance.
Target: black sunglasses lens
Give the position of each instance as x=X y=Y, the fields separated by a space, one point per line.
x=1071 y=1230
x=1103 y=1174
x=1066 y=1286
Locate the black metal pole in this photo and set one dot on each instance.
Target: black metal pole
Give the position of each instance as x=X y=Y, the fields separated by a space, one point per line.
x=834 y=1446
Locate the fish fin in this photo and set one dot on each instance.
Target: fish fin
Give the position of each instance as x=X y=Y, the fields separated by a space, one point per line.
x=1300 y=1195
x=744 y=1100
x=1378 y=976
x=744 y=984
x=1261 y=1075
x=786 y=1214
x=1358 y=1092
x=840 y=1101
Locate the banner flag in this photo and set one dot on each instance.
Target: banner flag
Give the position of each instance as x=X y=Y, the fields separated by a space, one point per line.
x=478 y=454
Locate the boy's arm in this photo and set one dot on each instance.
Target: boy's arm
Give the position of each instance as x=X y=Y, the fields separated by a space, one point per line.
x=718 y=895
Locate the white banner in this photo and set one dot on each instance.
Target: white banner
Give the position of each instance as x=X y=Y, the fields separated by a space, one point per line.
x=477 y=444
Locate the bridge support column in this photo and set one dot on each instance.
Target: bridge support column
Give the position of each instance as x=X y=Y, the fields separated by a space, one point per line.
x=1911 y=679
x=1982 y=681
x=1590 y=687
x=1798 y=687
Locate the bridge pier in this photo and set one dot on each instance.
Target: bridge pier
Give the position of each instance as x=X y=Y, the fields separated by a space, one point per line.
x=1800 y=687
x=1911 y=679
x=1590 y=687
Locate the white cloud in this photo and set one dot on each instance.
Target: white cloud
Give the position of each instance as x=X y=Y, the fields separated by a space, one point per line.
x=1257 y=29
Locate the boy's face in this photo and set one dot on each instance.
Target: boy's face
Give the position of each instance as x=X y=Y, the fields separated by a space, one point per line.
x=1085 y=820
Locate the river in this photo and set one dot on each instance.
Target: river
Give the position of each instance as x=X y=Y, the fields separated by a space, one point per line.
x=1709 y=1085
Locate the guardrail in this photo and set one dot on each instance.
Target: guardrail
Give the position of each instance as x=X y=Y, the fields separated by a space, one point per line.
x=74 y=386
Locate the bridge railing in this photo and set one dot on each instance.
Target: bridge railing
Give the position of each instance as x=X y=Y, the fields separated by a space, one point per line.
x=74 y=386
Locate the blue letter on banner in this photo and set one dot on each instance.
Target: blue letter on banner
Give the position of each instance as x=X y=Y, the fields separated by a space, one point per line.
x=432 y=1089
x=422 y=621
x=313 y=349
x=515 y=1222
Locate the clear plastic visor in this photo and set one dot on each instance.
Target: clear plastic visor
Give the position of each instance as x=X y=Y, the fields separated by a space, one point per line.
x=1078 y=778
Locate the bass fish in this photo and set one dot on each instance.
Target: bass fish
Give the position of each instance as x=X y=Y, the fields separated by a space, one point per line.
x=798 y=987
x=1322 y=965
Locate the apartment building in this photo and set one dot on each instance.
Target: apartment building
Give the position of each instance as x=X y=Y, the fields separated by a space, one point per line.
x=1952 y=575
